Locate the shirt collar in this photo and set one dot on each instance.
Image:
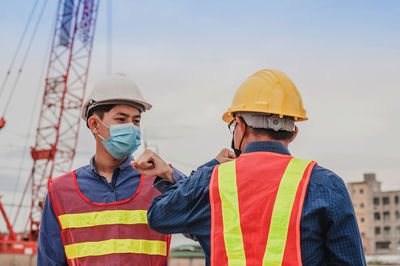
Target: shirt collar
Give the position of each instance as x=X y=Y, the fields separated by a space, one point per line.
x=269 y=146
x=125 y=164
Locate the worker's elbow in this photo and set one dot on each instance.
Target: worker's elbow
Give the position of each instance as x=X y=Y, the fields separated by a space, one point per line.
x=158 y=221
x=154 y=227
x=152 y=221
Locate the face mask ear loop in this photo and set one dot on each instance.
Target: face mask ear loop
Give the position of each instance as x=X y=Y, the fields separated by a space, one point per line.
x=101 y=137
x=103 y=124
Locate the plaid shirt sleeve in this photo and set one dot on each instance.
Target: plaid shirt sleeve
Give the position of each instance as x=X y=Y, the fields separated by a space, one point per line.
x=329 y=230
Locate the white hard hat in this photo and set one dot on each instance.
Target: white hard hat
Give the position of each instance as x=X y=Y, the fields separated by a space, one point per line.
x=115 y=89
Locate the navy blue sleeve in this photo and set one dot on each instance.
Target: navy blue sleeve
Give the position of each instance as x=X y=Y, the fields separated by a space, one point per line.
x=211 y=163
x=163 y=185
x=328 y=227
x=185 y=206
x=343 y=239
x=50 y=246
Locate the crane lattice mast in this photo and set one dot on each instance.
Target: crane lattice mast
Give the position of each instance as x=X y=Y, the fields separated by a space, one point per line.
x=65 y=85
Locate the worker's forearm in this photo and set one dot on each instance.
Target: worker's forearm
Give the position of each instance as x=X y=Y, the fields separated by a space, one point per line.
x=184 y=207
x=163 y=185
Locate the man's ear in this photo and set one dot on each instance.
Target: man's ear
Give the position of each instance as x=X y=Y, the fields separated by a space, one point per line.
x=93 y=124
x=241 y=124
x=296 y=130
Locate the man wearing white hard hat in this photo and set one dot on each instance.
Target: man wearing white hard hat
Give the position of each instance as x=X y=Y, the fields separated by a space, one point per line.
x=96 y=214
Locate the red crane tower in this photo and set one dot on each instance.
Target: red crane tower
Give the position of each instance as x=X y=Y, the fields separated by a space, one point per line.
x=58 y=127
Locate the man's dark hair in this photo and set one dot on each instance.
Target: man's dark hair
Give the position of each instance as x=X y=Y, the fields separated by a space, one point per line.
x=99 y=111
x=275 y=135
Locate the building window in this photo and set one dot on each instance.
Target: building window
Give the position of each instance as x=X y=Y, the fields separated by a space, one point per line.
x=362 y=205
x=397 y=214
x=361 y=191
x=396 y=199
x=398 y=230
x=382 y=245
x=386 y=216
x=377 y=216
x=377 y=230
x=386 y=230
x=385 y=200
x=362 y=234
x=376 y=201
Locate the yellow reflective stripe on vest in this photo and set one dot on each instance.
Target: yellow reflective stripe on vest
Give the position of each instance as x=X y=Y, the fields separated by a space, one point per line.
x=89 y=219
x=230 y=214
x=85 y=249
x=282 y=210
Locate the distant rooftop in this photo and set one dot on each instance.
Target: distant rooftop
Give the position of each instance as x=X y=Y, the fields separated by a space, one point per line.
x=187 y=251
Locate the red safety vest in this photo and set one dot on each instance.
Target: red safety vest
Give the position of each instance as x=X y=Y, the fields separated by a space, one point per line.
x=256 y=204
x=107 y=233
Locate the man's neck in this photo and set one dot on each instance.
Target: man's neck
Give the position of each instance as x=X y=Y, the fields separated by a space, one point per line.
x=105 y=163
x=253 y=138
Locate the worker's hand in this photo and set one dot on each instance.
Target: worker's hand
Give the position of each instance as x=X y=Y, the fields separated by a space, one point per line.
x=149 y=163
x=225 y=155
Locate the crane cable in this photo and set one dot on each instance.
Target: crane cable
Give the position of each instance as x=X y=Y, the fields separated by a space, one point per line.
x=109 y=38
x=18 y=47
x=33 y=114
x=24 y=58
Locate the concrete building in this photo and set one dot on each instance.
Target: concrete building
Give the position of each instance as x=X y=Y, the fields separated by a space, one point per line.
x=378 y=215
x=186 y=255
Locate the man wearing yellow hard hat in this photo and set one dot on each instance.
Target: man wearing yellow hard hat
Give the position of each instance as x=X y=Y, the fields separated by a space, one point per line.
x=265 y=207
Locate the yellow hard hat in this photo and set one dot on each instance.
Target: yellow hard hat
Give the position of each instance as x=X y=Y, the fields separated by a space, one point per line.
x=267 y=91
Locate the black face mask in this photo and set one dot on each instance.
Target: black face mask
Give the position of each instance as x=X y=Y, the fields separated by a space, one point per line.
x=238 y=151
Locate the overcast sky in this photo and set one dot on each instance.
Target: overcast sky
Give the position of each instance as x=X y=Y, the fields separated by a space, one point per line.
x=190 y=57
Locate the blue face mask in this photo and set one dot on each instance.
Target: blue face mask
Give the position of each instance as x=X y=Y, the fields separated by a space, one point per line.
x=124 y=139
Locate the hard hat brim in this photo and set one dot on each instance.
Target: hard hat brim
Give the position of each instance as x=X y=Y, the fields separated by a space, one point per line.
x=229 y=115
x=141 y=105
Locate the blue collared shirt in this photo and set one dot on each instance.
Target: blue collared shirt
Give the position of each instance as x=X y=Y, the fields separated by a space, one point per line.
x=329 y=232
x=124 y=183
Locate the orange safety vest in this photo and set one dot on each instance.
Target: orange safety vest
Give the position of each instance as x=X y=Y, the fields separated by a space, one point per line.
x=256 y=204
x=107 y=233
